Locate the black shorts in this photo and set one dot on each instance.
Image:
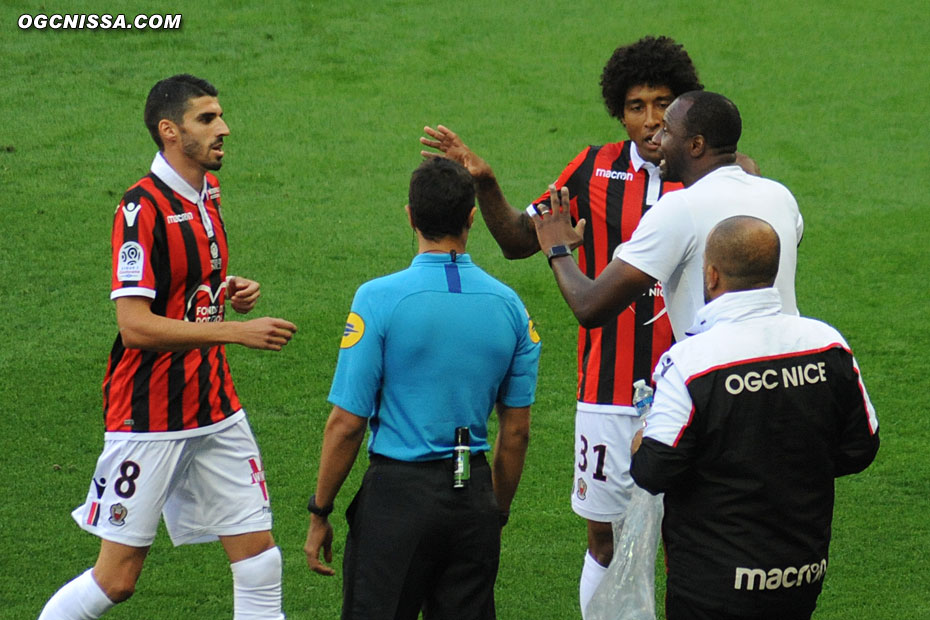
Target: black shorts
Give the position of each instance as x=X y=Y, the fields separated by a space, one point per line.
x=415 y=543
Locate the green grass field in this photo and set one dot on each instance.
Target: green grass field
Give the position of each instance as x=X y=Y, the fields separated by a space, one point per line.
x=325 y=102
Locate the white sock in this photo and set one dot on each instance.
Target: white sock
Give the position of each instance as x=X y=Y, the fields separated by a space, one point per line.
x=79 y=599
x=257 y=587
x=591 y=576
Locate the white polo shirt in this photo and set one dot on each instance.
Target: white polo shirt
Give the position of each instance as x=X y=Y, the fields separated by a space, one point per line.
x=669 y=242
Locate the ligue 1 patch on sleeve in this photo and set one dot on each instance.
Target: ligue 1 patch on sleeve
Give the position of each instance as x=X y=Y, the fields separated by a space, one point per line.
x=131 y=262
x=355 y=329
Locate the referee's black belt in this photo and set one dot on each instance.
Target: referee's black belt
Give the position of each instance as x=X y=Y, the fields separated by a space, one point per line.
x=478 y=459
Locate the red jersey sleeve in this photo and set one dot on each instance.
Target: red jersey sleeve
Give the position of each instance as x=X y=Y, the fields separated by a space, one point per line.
x=133 y=246
x=564 y=179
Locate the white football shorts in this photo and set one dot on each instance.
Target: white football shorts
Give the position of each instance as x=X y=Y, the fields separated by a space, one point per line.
x=602 y=482
x=205 y=486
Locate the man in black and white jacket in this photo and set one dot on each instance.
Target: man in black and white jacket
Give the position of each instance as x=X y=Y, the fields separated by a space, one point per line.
x=755 y=414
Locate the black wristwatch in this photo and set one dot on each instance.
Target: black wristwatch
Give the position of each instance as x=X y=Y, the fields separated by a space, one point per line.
x=557 y=251
x=323 y=512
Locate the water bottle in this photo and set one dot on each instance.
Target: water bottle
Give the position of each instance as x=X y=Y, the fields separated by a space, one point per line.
x=642 y=397
x=461 y=456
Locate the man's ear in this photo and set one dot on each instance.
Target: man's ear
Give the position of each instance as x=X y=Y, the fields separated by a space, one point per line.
x=698 y=146
x=168 y=131
x=711 y=278
x=471 y=218
x=409 y=216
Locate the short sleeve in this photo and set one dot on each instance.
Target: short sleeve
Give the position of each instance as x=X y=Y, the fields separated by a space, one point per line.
x=360 y=366
x=519 y=387
x=133 y=247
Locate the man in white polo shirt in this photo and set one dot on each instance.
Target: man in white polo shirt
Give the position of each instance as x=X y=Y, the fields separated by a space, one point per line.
x=698 y=141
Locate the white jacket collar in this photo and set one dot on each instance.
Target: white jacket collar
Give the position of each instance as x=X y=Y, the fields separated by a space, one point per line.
x=736 y=306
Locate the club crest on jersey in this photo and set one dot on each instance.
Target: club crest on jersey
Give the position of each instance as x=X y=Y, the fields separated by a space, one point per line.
x=582 y=489
x=215 y=261
x=131 y=261
x=118 y=514
x=355 y=329
x=130 y=212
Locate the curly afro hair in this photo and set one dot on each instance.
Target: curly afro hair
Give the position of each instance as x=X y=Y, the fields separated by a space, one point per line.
x=651 y=61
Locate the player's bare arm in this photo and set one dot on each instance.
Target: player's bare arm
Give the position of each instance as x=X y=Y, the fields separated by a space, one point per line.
x=593 y=302
x=513 y=437
x=511 y=228
x=140 y=328
x=341 y=441
x=242 y=293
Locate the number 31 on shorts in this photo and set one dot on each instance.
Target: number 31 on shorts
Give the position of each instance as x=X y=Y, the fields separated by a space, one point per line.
x=600 y=450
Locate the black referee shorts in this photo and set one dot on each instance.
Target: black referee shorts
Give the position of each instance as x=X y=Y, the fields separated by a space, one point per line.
x=415 y=543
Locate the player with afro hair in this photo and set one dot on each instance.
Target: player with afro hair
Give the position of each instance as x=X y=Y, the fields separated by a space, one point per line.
x=650 y=61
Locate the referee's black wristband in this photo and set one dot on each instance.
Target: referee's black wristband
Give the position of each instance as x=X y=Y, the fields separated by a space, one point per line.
x=503 y=517
x=323 y=512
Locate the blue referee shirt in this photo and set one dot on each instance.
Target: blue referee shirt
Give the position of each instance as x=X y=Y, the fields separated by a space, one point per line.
x=432 y=348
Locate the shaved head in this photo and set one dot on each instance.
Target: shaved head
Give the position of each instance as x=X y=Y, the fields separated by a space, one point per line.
x=741 y=254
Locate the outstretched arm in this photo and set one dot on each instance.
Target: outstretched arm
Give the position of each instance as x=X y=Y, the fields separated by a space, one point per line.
x=140 y=328
x=594 y=302
x=511 y=228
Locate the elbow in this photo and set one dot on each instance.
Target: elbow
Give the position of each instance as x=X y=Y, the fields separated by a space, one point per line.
x=644 y=482
x=586 y=321
x=591 y=307
x=131 y=338
x=511 y=255
x=517 y=252
x=346 y=426
x=515 y=434
x=590 y=318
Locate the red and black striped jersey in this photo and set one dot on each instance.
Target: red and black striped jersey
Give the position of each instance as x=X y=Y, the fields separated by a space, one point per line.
x=169 y=244
x=611 y=187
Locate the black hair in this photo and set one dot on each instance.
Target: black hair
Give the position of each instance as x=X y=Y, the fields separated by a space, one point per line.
x=652 y=62
x=715 y=117
x=442 y=195
x=169 y=99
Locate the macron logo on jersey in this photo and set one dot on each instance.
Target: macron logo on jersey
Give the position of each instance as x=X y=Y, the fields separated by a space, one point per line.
x=613 y=174
x=182 y=217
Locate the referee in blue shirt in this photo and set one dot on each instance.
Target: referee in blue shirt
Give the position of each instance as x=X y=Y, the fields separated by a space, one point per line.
x=426 y=351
